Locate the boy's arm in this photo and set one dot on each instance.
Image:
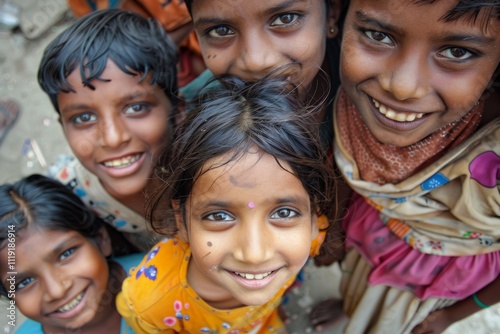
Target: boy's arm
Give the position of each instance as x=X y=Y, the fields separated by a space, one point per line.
x=439 y=320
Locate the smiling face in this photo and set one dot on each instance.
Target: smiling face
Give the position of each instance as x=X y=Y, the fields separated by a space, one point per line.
x=116 y=129
x=409 y=72
x=249 y=39
x=250 y=227
x=60 y=283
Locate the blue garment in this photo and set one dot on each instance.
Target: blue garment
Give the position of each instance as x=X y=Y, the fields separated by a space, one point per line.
x=127 y=262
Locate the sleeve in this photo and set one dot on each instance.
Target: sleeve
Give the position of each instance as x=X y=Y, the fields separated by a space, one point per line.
x=144 y=294
x=133 y=319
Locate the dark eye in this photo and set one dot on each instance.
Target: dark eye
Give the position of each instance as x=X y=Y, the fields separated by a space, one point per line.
x=67 y=253
x=136 y=108
x=220 y=31
x=24 y=283
x=84 y=118
x=285 y=19
x=378 y=36
x=219 y=216
x=456 y=53
x=284 y=213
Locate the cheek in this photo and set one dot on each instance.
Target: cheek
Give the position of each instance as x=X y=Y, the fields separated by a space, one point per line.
x=28 y=304
x=158 y=136
x=356 y=63
x=81 y=145
x=462 y=95
x=96 y=268
x=217 y=63
x=209 y=252
x=298 y=246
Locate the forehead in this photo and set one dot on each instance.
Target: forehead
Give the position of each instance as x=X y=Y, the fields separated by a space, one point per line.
x=435 y=16
x=245 y=171
x=245 y=8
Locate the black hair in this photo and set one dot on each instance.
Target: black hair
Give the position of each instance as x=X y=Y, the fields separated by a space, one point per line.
x=235 y=118
x=137 y=45
x=41 y=202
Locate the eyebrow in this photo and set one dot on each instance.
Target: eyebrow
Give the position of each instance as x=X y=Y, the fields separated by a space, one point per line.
x=62 y=245
x=481 y=40
x=300 y=200
x=282 y=6
x=133 y=96
x=446 y=37
x=120 y=100
x=374 y=22
x=277 y=8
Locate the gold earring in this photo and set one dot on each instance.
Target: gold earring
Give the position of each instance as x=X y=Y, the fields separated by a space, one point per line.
x=332 y=30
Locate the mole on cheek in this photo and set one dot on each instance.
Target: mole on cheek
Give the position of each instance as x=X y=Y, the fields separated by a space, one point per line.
x=209 y=244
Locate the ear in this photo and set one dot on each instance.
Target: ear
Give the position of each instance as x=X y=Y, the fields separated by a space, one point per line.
x=332 y=28
x=104 y=242
x=182 y=233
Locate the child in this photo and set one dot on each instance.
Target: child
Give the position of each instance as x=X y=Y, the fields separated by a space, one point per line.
x=418 y=142
x=53 y=264
x=247 y=182
x=111 y=77
x=250 y=39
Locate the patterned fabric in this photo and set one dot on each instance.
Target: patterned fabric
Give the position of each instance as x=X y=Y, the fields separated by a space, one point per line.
x=449 y=208
x=158 y=298
x=433 y=237
x=425 y=242
x=86 y=185
x=380 y=163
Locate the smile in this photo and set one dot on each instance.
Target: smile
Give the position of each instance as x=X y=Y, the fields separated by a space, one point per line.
x=396 y=116
x=254 y=276
x=72 y=304
x=122 y=162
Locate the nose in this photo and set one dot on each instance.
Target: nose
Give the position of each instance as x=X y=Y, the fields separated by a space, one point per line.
x=114 y=131
x=255 y=244
x=407 y=76
x=55 y=285
x=258 y=55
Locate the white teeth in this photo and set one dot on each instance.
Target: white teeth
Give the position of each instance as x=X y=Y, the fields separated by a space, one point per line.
x=252 y=276
x=123 y=162
x=396 y=116
x=71 y=304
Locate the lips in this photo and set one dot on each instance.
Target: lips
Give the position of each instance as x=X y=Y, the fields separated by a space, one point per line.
x=395 y=115
x=122 y=162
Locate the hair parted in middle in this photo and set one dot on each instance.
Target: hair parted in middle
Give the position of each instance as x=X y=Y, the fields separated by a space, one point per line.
x=236 y=118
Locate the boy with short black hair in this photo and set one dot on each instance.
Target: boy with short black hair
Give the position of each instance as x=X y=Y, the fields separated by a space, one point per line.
x=112 y=78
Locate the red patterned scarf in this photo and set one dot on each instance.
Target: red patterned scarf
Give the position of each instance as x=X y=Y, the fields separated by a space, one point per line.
x=380 y=163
